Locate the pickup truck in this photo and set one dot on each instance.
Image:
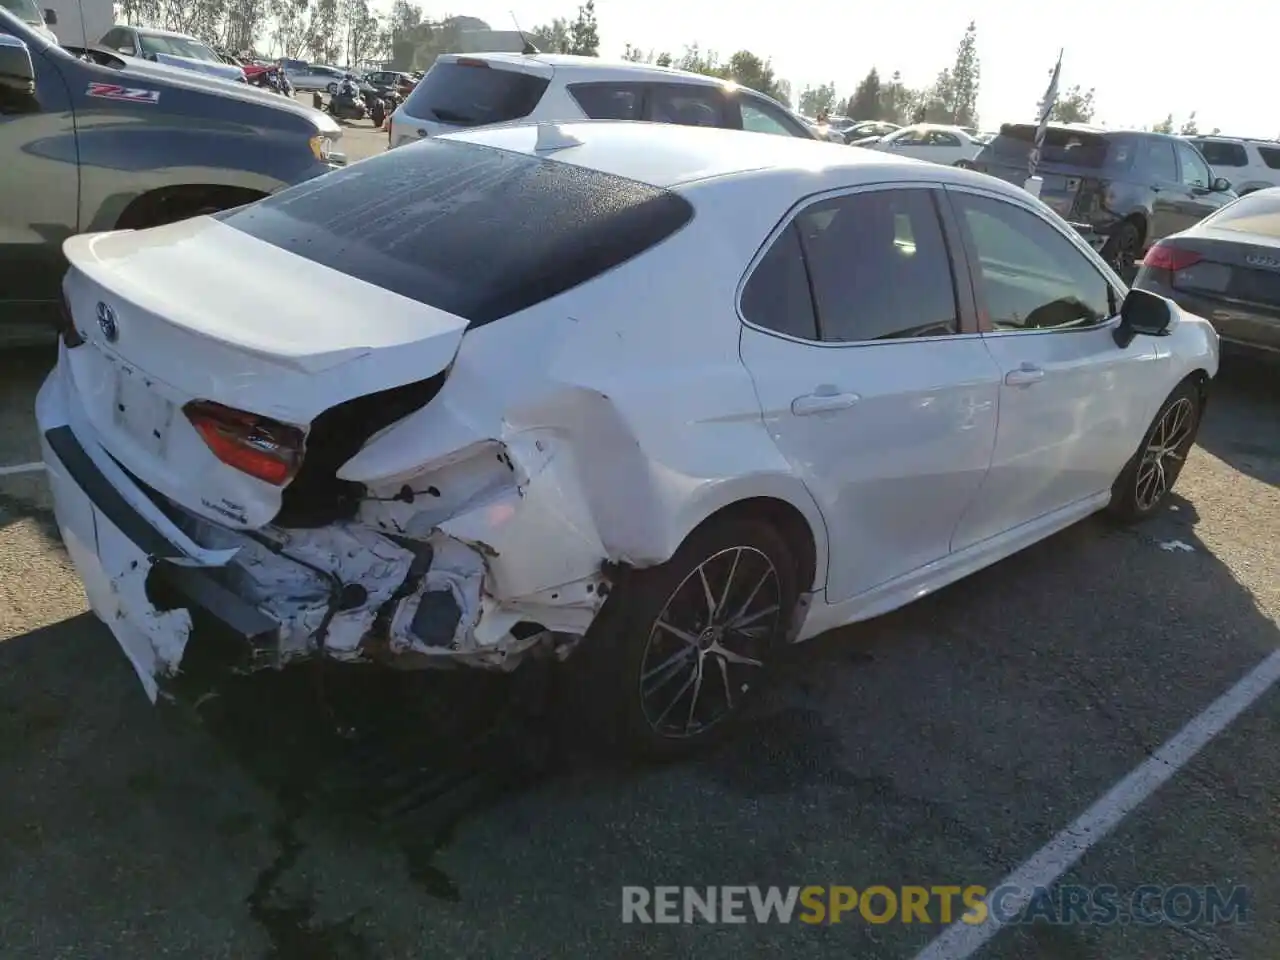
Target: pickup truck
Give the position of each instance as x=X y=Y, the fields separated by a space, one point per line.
x=93 y=141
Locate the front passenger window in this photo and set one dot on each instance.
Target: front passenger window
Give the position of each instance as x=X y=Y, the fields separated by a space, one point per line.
x=1030 y=276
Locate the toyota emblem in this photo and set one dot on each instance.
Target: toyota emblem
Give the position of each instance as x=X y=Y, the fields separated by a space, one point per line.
x=107 y=322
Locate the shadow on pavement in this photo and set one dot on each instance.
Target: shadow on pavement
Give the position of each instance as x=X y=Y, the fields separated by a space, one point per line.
x=1242 y=424
x=944 y=743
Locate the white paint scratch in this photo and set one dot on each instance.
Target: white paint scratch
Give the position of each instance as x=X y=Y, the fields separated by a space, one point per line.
x=20 y=468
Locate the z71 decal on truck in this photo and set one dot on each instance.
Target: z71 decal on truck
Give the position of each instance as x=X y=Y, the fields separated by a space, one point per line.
x=114 y=91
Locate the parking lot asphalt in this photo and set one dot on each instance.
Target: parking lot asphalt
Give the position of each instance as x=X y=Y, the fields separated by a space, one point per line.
x=309 y=815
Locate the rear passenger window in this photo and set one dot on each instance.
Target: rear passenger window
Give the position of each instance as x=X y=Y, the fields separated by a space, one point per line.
x=880 y=266
x=608 y=101
x=1160 y=161
x=1220 y=154
x=1031 y=277
x=687 y=105
x=777 y=296
x=1270 y=156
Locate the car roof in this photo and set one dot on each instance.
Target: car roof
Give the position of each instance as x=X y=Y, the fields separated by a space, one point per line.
x=670 y=155
x=948 y=127
x=157 y=32
x=593 y=68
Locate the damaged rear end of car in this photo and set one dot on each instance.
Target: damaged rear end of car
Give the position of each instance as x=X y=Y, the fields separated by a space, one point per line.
x=267 y=417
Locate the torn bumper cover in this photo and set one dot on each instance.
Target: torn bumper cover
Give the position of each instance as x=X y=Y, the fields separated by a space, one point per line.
x=397 y=584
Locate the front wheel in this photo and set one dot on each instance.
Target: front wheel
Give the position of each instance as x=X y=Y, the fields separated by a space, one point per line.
x=964 y=164
x=1146 y=480
x=332 y=89
x=679 y=649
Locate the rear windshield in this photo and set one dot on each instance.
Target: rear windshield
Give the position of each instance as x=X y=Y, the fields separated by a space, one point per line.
x=1074 y=148
x=1258 y=212
x=472 y=230
x=470 y=93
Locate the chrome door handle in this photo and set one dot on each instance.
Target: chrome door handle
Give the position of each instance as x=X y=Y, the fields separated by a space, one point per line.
x=822 y=403
x=1024 y=376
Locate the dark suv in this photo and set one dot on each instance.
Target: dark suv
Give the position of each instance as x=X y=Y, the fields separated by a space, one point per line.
x=1124 y=189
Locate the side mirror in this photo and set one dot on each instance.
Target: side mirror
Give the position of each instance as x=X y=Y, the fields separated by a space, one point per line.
x=1221 y=185
x=1143 y=313
x=17 y=76
x=51 y=17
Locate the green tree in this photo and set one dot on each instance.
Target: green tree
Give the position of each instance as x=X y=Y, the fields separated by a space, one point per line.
x=865 y=102
x=961 y=93
x=1190 y=128
x=817 y=100
x=695 y=60
x=553 y=37
x=1074 y=106
x=895 y=100
x=1164 y=126
x=748 y=70
x=584 y=32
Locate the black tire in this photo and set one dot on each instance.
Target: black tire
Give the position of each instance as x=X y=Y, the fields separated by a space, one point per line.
x=681 y=713
x=963 y=164
x=1145 y=481
x=1123 y=250
x=378 y=114
x=331 y=89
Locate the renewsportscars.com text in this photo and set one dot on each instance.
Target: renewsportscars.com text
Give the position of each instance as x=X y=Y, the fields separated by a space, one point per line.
x=1146 y=904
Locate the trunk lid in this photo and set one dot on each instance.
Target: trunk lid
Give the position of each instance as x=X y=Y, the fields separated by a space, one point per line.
x=1241 y=268
x=179 y=313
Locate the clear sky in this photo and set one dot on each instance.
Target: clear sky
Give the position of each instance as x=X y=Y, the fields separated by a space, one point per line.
x=1144 y=59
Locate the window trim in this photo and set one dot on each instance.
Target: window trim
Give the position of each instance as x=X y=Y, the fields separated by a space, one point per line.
x=961 y=283
x=1114 y=283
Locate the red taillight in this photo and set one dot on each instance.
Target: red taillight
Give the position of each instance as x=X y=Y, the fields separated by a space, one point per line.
x=471 y=62
x=263 y=448
x=1173 y=259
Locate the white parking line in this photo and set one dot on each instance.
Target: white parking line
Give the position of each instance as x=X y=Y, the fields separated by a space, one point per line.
x=962 y=940
x=20 y=468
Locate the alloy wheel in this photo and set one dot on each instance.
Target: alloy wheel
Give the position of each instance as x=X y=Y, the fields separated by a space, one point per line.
x=1162 y=456
x=707 y=646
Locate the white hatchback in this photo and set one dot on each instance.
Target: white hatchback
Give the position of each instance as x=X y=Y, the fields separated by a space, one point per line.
x=656 y=399
x=463 y=91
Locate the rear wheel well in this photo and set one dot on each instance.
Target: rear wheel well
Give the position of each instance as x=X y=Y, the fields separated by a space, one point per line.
x=170 y=204
x=790 y=524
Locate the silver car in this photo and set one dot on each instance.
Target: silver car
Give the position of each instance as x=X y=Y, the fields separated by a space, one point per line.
x=315 y=76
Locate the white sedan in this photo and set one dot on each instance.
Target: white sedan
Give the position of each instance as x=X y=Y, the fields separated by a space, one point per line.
x=953 y=146
x=655 y=399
